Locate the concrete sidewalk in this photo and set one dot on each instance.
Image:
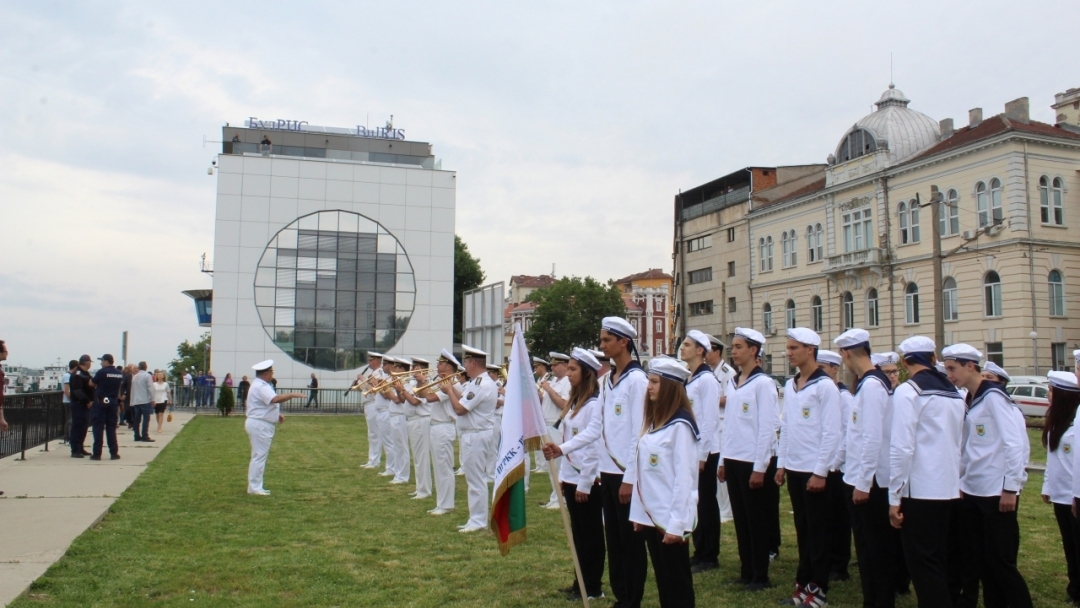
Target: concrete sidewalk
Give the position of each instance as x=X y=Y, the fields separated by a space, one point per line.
x=51 y=498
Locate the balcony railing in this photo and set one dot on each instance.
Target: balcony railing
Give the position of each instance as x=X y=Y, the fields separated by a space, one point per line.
x=855 y=259
x=716 y=203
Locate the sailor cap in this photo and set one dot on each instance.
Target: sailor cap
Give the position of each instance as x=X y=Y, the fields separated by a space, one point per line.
x=750 y=335
x=449 y=357
x=1063 y=380
x=995 y=369
x=961 y=352
x=1076 y=355
x=701 y=338
x=472 y=352
x=852 y=338
x=586 y=357
x=830 y=357
x=619 y=326
x=804 y=335
x=670 y=368
x=717 y=343
x=917 y=344
x=540 y=361
x=263 y=365
x=558 y=357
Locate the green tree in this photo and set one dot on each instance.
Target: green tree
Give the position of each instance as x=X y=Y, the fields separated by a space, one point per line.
x=467 y=275
x=569 y=312
x=226 y=400
x=189 y=356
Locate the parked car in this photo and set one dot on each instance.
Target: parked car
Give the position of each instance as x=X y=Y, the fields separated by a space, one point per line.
x=1031 y=398
x=1028 y=380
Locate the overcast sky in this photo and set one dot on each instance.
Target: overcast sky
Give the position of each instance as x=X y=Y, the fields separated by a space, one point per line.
x=572 y=125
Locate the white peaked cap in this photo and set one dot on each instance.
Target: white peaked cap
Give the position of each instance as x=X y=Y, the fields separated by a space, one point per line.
x=716 y=342
x=1063 y=380
x=670 y=368
x=374 y=355
x=541 y=361
x=599 y=354
x=701 y=338
x=558 y=356
x=586 y=357
x=828 y=356
x=995 y=369
x=263 y=365
x=449 y=358
x=917 y=344
x=752 y=335
x=472 y=352
x=1076 y=355
x=804 y=335
x=961 y=352
x=619 y=326
x=852 y=337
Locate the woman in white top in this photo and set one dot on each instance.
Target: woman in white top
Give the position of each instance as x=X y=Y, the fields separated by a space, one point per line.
x=161 y=398
x=1059 y=440
x=579 y=474
x=663 y=506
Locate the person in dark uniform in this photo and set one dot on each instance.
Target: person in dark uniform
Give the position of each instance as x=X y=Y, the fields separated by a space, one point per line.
x=104 y=414
x=313 y=392
x=242 y=391
x=82 y=398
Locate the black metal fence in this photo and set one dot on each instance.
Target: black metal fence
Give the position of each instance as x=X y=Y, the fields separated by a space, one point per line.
x=327 y=401
x=33 y=419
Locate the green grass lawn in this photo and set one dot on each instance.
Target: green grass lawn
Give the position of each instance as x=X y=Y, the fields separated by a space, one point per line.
x=332 y=534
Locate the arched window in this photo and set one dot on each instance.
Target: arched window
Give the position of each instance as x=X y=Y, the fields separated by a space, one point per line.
x=768 y=251
x=849 y=310
x=949 y=303
x=995 y=200
x=982 y=204
x=816 y=313
x=992 y=294
x=810 y=257
x=1050 y=201
x=766 y=318
x=950 y=214
x=857 y=143
x=913 y=216
x=790 y=314
x=761 y=254
x=902 y=212
x=1057 y=294
x=911 y=303
x=785 y=246
x=872 y=317
x=818 y=242
x=794 y=251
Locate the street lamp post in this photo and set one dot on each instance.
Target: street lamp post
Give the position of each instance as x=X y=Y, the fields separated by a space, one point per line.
x=1035 y=349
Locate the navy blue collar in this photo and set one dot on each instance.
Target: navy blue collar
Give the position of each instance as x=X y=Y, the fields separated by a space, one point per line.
x=986 y=388
x=700 y=371
x=842 y=386
x=878 y=375
x=685 y=417
x=757 y=370
x=813 y=379
x=625 y=372
x=932 y=382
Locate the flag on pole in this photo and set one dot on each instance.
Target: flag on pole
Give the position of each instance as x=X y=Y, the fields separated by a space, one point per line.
x=523 y=428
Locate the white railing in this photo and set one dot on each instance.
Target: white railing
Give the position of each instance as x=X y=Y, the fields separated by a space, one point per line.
x=854 y=259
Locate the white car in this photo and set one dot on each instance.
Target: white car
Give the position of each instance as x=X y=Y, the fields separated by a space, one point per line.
x=1031 y=398
x=1028 y=380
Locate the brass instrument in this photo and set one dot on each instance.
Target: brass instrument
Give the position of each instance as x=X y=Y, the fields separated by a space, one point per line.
x=437 y=382
x=502 y=374
x=385 y=384
x=540 y=382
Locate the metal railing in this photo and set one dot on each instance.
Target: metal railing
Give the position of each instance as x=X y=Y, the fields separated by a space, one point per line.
x=327 y=400
x=716 y=203
x=33 y=419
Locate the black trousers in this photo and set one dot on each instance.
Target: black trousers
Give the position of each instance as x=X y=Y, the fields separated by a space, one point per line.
x=707 y=533
x=839 y=526
x=1069 y=528
x=627 y=562
x=104 y=419
x=587 y=524
x=752 y=512
x=993 y=538
x=671 y=564
x=925 y=534
x=80 y=422
x=812 y=526
x=873 y=546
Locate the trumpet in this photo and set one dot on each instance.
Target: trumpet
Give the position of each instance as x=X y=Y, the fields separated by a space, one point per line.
x=540 y=382
x=437 y=382
x=385 y=384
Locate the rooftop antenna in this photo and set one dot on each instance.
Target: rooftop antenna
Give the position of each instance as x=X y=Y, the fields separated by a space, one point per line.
x=892 y=81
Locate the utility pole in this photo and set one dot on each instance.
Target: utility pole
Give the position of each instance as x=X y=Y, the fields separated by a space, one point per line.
x=939 y=304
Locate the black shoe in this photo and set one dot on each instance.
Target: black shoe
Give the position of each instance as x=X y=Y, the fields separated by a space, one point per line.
x=78 y=455
x=569 y=590
x=704 y=567
x=694 y=561
x=839 y=576
x=95 y=458
x=114 y=457
x=149 y=440
x=758 y=586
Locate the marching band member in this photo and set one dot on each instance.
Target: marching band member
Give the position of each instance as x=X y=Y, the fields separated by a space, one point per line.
x=542 y=371
x=924 y=468
x=840 y=527
x=746 y=454
x=475 y=407
x=371 y=413
x=1059 y=439
x=443 y=433
x=605 y=369
x=399 y=429
x=580 y=474
x=418 y=425
x=724 y=374
x=496 y=431
x=866 y=470
x=263 y=415
x=663 y=507
x=992 y=459
x=703 y=391
x=809 y=441
x=381 y=404
x=554 y=393
x=619 y=427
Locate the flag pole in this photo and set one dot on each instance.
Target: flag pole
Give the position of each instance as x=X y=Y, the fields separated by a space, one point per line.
x=569 y=530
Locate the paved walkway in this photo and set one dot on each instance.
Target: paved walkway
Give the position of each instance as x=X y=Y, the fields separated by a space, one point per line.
x=51 y=498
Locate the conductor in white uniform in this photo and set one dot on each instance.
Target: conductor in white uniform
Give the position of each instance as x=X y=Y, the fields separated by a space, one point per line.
x=263 y=416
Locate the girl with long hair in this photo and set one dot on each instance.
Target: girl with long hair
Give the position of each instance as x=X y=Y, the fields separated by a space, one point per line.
x=579 y=474
x=663 y=506
x=161 y=398
x=1059 y=440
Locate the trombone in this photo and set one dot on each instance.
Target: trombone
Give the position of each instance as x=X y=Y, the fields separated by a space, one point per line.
x=437 y=382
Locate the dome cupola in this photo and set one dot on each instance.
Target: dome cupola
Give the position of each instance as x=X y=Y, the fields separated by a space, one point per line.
x=892 y=127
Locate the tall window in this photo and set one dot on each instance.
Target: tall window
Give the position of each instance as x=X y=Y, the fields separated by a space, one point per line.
x=1057 y=357
x=703 y=275
x=849 y=310
x=765 y=249
x=766 y=318
x=992 y=294
x=1050 y=201
x=949 y=222
x=790 y=314
x=872 y=317
x=995 y=200
x=731 y=269
x=794 y=252
x=1057 y=294
x=858 y=230
x=913 y=215
x=810 y=253
x=731 y=304
x=818 y=242
x=768 y=247
x=982 y=204
x=761 y=253
x=905 y=230
x=995 y=353
x=911 y=303
x=816 y=313
x=785 y=246
x=949 y=304
x=731 y=235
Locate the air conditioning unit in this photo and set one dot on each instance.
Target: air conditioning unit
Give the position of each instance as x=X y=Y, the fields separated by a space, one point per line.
x=995 y=230
x=968 y=235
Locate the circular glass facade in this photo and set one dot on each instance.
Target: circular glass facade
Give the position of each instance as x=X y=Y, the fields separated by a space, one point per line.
x=333 y=285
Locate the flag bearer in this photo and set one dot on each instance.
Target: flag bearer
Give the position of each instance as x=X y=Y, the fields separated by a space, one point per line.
x=703 y=391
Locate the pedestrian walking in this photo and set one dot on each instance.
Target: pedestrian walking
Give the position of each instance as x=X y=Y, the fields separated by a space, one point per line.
x=142 y=402
x=313 y=392
x=162 y=398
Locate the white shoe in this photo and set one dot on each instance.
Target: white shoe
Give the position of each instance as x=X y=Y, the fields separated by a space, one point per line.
x=412 y=493
x=439 y=511
x=398 y=482
x=386 y=474
x=421 y=496
x=464 y=525
x=460 y=472
x=368 y=466
x=553 y=505
x=259 y=492
x=468 y=529
x=538 y=470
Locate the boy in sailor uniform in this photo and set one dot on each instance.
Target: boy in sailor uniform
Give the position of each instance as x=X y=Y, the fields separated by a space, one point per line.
x=724 y=373
x=809 y=443
x=924 y=468
x=664 y=503
x=992 y=460
x=840 y=527
x=703 y=391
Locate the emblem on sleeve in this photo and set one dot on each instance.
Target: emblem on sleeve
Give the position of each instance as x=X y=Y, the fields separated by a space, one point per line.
x=653 y=460
x=470 y=395
x=854 y=416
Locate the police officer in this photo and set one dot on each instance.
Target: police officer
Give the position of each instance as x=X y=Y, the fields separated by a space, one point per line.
x=703 y=391
x=104 y=414
x=475 y=407
x=81 y=387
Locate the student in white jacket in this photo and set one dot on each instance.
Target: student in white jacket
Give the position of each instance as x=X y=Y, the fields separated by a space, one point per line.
x=992 y=460
x=703 y=391
x=1059 y=439
x=664 y=504
x=839 y=514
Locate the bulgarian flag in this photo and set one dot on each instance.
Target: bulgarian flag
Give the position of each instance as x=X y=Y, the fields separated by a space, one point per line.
x=523 y=428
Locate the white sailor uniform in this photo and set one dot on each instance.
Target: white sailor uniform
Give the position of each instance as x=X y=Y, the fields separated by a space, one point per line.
x=479 y=397
x=261 y=423
x=443 y=433
x=418 y=424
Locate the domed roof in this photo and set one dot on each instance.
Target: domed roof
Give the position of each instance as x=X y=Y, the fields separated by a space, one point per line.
x=907 y=131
